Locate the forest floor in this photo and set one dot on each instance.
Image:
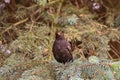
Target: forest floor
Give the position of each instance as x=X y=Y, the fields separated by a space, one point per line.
x=27 y=36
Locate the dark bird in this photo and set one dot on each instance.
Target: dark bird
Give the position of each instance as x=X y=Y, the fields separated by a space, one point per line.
x=62 y=48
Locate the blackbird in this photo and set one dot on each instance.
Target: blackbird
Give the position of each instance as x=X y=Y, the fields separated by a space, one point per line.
x=62 y=48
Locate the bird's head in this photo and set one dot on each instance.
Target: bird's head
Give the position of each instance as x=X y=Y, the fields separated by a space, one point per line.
x=59 y=35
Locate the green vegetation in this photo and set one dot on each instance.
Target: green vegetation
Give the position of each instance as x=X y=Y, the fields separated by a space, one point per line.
x=27 y=32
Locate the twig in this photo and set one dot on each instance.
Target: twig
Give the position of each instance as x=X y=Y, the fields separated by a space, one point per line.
x=110 y=56
x=16 y=24
x=59 y=8
x=114 y=51
x=39 y=11
x=118 y=41
x=44 y=7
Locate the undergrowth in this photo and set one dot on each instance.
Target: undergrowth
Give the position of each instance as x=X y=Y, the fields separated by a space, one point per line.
x=27 y=35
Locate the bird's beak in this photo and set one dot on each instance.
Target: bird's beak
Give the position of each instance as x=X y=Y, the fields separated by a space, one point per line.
x=59 y=33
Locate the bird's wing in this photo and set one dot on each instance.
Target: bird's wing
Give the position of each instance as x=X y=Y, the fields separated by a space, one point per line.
x=69 y=46
x=66 y=51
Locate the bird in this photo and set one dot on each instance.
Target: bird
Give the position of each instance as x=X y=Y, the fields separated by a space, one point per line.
x=62 y=50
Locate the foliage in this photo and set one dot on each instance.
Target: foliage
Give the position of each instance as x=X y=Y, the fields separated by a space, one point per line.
x=79 y=69
x=36 y=73
x=28 y=33
x=116 y=69
x=41 y=2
